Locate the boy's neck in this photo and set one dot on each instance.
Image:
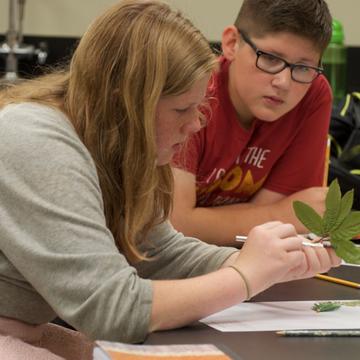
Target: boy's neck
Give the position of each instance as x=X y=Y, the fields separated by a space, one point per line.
x=245 y=124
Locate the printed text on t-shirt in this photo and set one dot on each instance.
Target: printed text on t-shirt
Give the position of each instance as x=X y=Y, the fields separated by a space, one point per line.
x=256 y=156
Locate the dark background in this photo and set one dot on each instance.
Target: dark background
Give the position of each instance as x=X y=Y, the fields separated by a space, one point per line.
x=59 y=51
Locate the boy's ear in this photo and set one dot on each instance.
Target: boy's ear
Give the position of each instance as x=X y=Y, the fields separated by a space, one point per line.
x=229 y=42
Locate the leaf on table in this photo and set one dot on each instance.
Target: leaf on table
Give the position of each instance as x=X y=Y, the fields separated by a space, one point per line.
x=326 y=306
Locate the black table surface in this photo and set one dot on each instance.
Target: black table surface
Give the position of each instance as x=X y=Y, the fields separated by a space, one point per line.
x=267 y=344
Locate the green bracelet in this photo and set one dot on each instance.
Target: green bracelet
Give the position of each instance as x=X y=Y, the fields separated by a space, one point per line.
x=247 y=287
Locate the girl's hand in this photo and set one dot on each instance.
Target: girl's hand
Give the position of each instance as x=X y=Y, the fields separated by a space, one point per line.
x=273 y=253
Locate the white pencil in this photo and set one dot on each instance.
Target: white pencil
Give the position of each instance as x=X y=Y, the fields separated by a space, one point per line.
x=325 y=244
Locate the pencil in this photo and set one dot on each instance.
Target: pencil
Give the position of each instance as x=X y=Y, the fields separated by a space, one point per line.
x=327 y=162
x=319 y=333
x=338 y=281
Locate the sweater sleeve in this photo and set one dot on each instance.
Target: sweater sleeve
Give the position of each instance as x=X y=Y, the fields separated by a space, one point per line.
x=174 y=256
x=53 y=230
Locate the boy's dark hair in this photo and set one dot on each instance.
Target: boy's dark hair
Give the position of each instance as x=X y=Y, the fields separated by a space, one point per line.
x=307 y=18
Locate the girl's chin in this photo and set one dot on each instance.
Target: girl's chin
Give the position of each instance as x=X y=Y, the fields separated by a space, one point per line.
x=177 y=147
x=164 y=159
x=166 y=156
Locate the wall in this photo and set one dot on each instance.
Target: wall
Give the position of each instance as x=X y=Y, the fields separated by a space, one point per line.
x=71 y=17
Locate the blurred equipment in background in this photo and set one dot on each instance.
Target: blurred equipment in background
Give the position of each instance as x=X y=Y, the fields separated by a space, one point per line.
x=345 y=145
x=13 y=48
x=334 y=62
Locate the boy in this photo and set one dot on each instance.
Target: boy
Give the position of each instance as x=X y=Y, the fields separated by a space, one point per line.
x=265 y=141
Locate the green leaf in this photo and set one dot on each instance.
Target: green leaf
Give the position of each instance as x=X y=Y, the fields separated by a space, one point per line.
x=333 y=204
x=309 y=217
x=326 y=306
x=347 y=250
x=349 y=228
x=339 y=223
x=345 y=208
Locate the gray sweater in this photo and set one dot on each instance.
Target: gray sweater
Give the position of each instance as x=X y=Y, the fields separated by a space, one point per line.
x=57 y=257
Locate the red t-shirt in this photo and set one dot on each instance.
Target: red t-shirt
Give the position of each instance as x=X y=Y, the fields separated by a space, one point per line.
x=231 y=164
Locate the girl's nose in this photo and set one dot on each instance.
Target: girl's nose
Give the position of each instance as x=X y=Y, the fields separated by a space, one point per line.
x=193 y=124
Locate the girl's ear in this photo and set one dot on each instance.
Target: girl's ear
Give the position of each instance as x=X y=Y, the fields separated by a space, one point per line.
x=229 y=42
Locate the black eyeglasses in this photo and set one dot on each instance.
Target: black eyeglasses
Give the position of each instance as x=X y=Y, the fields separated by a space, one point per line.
x=273 y=64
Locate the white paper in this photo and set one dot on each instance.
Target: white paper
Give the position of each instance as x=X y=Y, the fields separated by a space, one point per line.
x=283 y=315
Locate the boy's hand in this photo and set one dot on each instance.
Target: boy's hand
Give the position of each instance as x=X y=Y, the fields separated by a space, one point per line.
x=314 y=196
x=282 y=205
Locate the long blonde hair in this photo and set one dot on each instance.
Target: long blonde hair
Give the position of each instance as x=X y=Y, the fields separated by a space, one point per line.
x=133 y=54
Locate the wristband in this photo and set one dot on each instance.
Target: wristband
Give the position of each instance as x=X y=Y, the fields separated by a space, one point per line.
x=247 y=287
